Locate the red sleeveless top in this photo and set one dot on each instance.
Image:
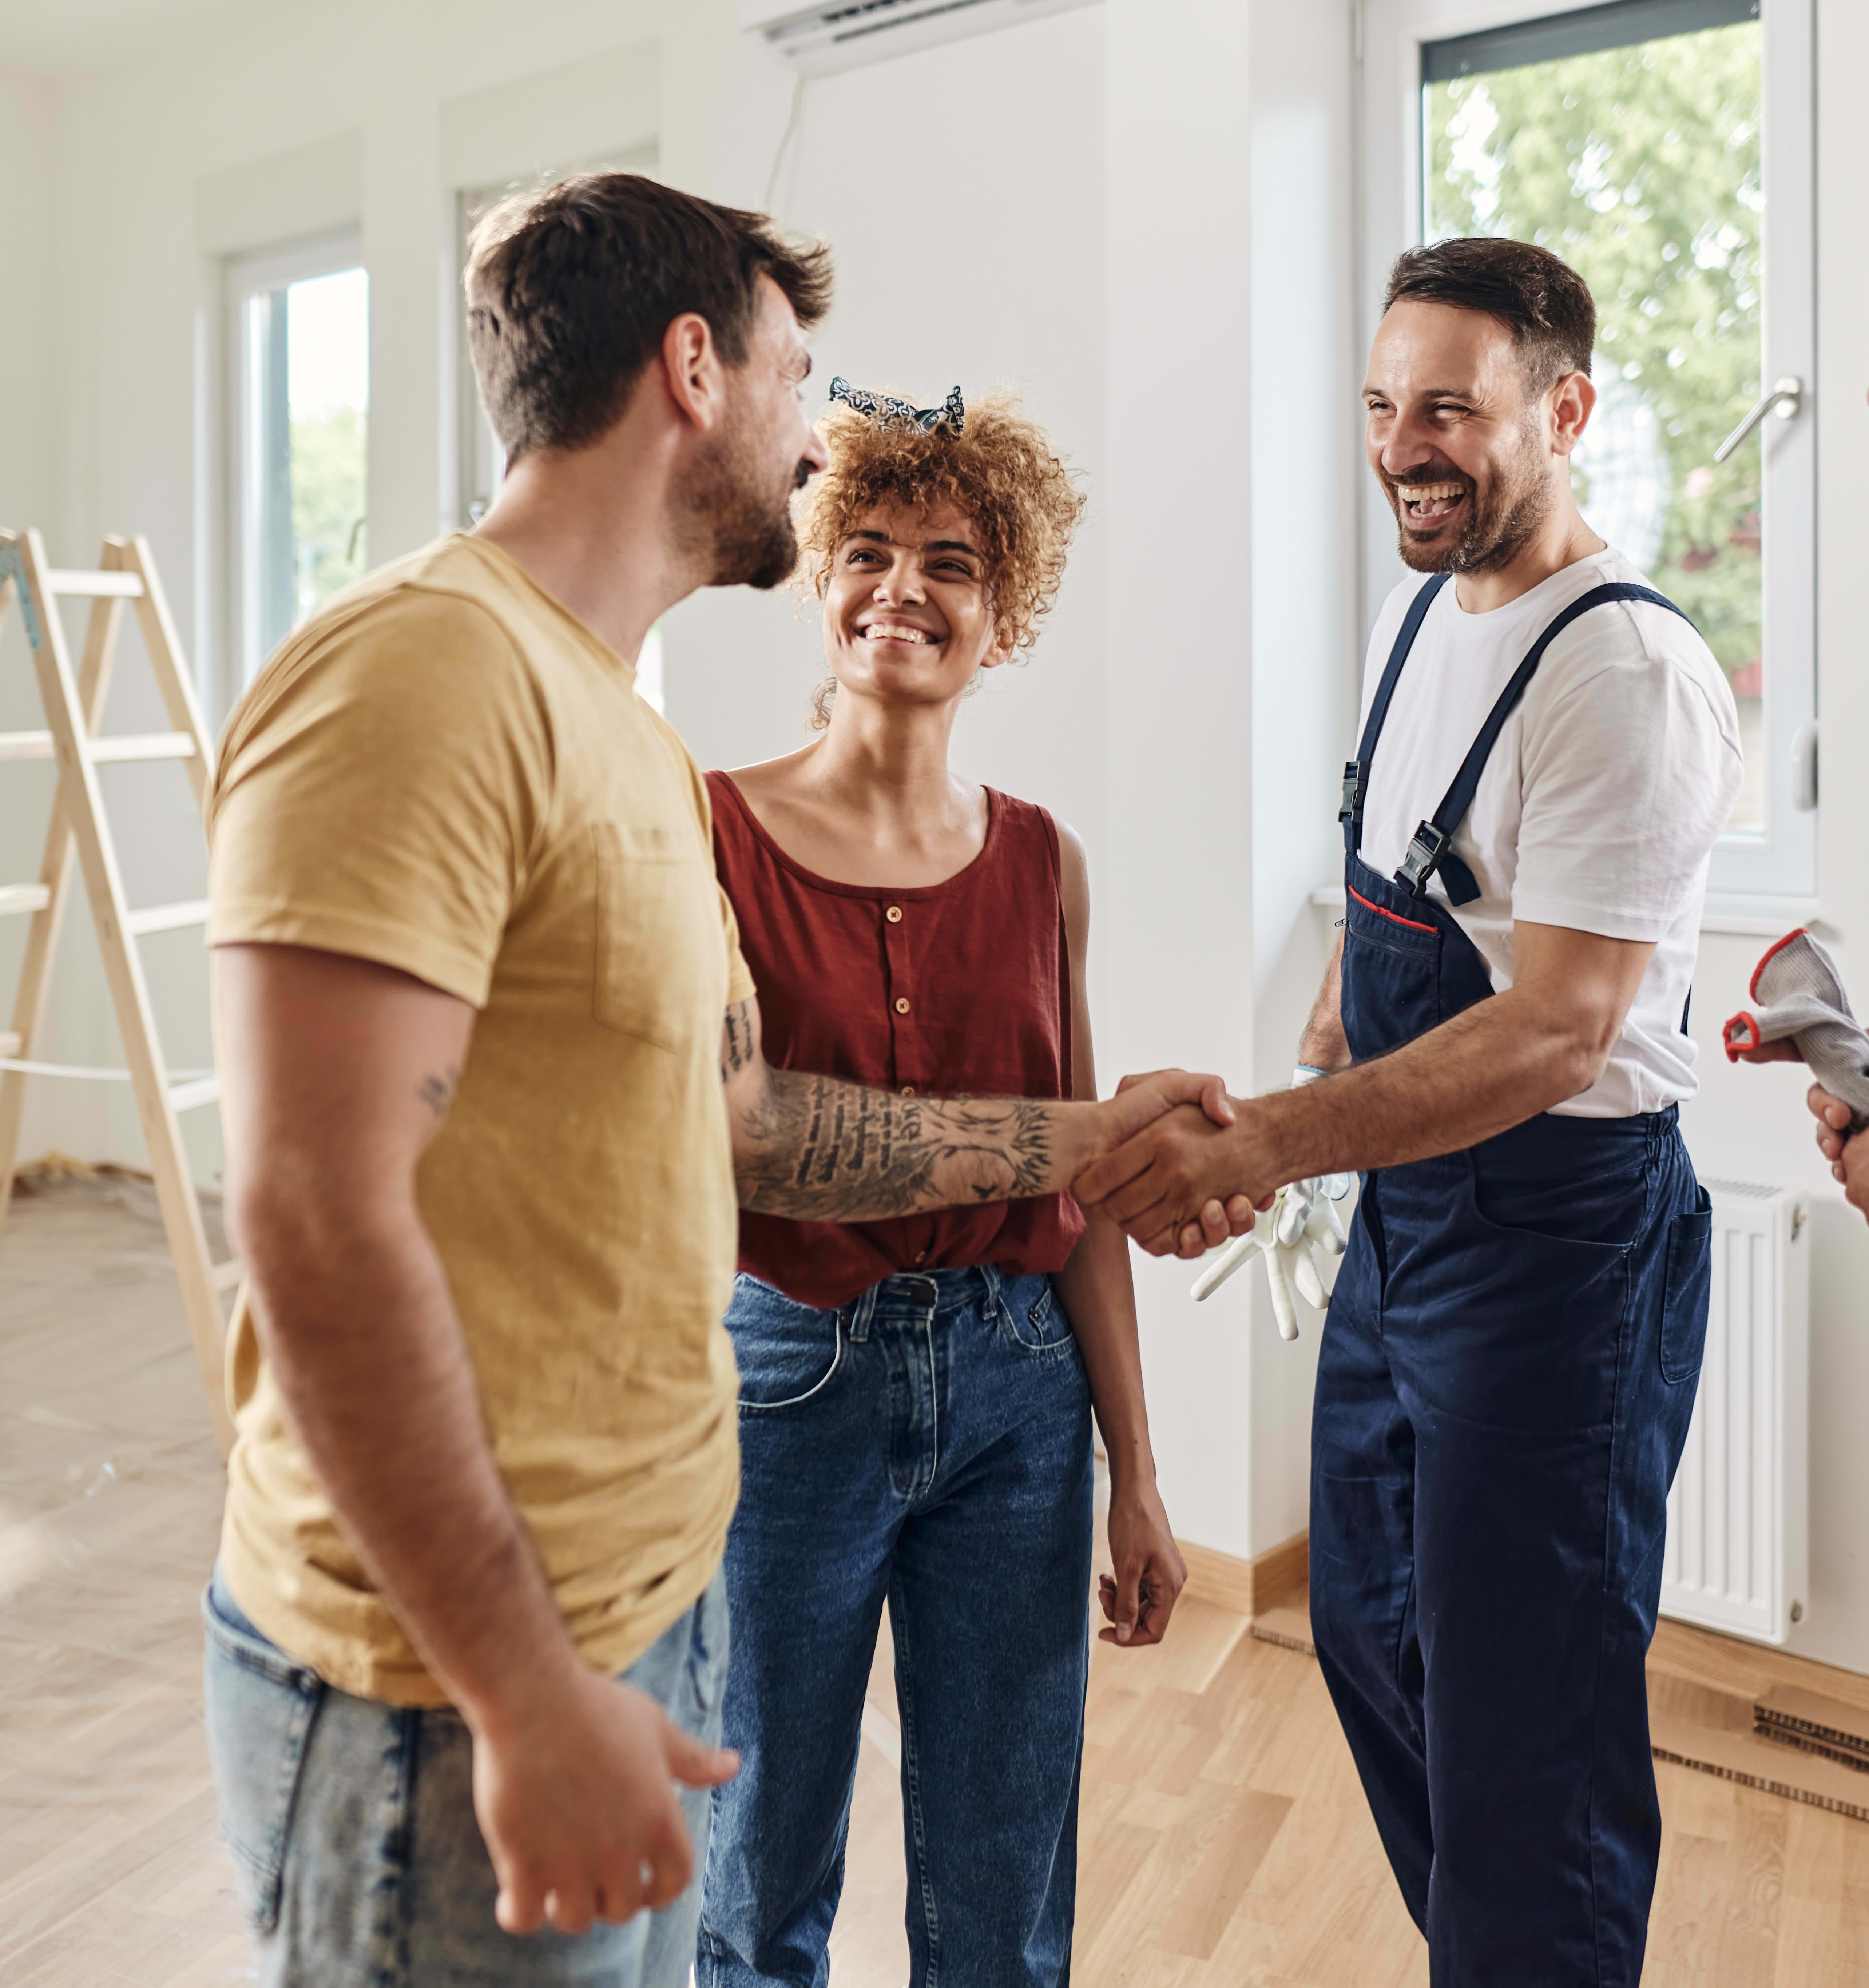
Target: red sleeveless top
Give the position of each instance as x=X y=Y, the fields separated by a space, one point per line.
x=960 y=986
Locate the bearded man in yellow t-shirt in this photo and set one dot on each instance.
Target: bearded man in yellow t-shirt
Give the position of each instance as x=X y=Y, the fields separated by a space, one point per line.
x=479 y=1000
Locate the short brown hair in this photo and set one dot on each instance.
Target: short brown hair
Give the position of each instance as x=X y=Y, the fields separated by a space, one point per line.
x=1001 y=471
x=1538 y=296
x=570 y=287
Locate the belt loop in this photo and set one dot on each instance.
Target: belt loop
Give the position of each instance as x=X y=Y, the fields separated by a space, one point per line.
x=857 y=1314
x=994 y=1282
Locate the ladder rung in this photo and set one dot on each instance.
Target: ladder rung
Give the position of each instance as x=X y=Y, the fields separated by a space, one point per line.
x=166 y=917
x=113 y=585
x=111 y=749
x=17 y=898
x=190 y=1097
x=228 y=1274
x=119 y=746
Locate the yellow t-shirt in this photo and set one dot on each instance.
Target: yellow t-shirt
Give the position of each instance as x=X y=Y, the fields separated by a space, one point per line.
x=447 y=772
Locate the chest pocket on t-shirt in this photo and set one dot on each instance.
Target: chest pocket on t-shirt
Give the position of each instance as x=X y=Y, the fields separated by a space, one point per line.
x=658 y=933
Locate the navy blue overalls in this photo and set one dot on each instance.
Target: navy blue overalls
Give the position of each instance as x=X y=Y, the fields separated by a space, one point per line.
x=1503 y=1392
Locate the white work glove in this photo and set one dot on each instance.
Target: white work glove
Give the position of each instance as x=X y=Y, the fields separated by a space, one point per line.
x=1299 y=1234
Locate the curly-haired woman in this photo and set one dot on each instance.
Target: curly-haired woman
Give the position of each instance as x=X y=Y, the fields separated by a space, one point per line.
x=916 y=1395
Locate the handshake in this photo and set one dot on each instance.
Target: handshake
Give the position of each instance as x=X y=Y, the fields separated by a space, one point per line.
x=1188 y=1167
x=1203 y=1167
x=1180 y=1166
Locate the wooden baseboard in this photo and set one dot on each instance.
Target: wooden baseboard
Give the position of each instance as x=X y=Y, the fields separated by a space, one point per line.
x=1249 y=1586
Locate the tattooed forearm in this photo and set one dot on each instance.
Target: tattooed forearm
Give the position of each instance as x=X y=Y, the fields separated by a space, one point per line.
x=817 y=1150
x=739 y=1040
x=437 y=1091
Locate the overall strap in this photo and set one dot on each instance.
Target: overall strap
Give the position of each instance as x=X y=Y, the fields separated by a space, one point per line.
x=1357 y=771
x=1430 y=850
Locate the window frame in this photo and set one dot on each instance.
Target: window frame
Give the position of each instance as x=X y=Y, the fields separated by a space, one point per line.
x=245 y=277
x=1757 y=884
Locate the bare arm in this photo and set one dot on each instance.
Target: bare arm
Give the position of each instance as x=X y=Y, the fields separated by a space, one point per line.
x=1099 y=1298
x=1323 y=1045
x=818 y=1149
x=339 y=1073
x=1546 y=1038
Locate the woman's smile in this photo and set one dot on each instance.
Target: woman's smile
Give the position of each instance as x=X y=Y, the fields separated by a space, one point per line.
x=889 y=630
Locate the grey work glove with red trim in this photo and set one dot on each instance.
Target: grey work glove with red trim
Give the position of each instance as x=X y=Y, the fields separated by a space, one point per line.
x=1797 y=993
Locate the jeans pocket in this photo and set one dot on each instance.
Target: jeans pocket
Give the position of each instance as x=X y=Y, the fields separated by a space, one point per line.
x=708 y=1654
x=1690 y=1281
x=1034 y=1320
x=786 y=1352
x=260 y=1706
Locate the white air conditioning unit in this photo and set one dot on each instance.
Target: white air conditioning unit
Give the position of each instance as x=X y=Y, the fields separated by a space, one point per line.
x=845 y=34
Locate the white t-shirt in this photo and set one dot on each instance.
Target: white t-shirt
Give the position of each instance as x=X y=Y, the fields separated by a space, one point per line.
x=1599 y=807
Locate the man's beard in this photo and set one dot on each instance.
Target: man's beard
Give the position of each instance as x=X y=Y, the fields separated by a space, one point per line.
x=1493 y=535
x=745 y=528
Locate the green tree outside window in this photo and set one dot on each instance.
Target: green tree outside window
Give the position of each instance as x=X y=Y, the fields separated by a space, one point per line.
x=1640 y=166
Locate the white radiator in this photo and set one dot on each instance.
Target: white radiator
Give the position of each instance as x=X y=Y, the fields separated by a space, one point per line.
x=1737 y=1516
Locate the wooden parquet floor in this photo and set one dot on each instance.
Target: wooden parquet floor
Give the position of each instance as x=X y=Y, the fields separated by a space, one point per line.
x=1224 y=1838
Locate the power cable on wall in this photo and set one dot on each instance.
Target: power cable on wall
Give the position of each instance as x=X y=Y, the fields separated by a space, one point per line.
x=791 y=128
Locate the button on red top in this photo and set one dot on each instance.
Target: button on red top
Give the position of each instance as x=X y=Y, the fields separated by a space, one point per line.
x=986 y=954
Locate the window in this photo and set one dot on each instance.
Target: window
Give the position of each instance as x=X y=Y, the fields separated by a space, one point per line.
x=301 y=375
x=1662 y=148
x=483 y=460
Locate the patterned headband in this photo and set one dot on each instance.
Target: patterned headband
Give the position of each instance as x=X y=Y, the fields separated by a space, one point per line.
x=887 y=411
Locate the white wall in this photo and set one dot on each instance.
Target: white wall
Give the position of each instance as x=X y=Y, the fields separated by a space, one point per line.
x=29 y=111
x=1157 y=251
x=1307 y=639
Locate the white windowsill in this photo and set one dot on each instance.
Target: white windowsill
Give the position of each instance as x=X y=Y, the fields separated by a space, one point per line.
x=1744 y=917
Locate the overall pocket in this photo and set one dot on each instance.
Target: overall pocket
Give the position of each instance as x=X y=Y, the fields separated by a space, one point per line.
x=1514 y=1299
x=786 y=1351
x=1690 y=1282
x=260 y=1708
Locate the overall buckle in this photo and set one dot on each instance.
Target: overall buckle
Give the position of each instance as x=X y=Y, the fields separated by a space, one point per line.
x=1355 y=784
x=1424 y=858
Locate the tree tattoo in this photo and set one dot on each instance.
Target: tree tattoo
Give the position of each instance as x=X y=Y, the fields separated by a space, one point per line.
x=818 y=1149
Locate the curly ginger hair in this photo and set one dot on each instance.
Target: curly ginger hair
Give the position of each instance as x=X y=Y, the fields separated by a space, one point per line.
x=1001 y=472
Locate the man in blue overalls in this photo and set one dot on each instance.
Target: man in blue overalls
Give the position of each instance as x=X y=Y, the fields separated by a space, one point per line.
x=1509 y=1367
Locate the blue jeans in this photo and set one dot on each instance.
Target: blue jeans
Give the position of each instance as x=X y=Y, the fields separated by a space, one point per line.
x=928 y=1444
x=358 y=1858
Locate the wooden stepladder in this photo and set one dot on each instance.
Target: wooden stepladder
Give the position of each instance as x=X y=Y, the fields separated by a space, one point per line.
x=74 y=702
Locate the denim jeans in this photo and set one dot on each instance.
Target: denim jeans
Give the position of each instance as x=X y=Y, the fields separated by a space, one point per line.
x=928 y=1444
x=357 y=1856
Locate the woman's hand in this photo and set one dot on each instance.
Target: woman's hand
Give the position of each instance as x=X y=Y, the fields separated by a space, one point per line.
x=1138 y=1601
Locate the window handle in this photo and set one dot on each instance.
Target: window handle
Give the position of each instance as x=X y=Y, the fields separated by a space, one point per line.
x=1787 y=397
x=1804 y=768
